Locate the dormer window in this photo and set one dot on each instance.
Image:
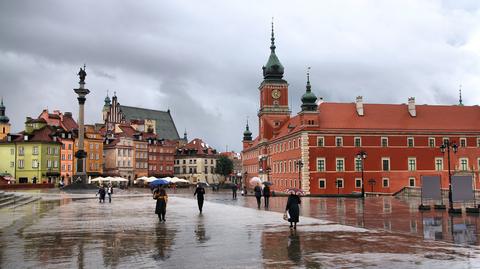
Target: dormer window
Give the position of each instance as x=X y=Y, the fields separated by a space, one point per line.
x=25 y=137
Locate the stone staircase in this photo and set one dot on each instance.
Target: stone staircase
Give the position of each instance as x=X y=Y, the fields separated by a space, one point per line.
x=14 y=200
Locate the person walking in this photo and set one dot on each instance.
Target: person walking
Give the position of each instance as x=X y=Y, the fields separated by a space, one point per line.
x=234 y=191
x=293 y=209
x=266 y=195
x=200 y=192
x=110 y=192
x=258 y=194
x=101 y=194
x=162 y=199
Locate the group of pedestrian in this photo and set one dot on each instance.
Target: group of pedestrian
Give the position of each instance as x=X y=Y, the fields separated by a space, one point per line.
x=265 y=192
x=103 y=191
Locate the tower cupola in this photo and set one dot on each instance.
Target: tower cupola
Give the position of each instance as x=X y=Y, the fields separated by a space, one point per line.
x=273 y=69
x=308 y=98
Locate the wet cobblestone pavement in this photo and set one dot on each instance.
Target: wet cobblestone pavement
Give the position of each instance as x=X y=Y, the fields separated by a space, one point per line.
x=81 y=233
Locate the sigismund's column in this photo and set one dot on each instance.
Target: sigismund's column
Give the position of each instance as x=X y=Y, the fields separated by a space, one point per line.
x=80 y=173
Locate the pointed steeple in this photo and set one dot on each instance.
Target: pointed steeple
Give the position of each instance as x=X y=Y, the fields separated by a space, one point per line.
x=185 y=135
x=460 y=101
x=3 y=117
x=309 y=99
x=247 y=135
x=107 y=100
x=273 y=69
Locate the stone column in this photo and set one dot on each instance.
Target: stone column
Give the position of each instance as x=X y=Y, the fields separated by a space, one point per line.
x=80 y=173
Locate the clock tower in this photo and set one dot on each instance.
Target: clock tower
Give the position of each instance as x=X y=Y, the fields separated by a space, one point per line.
x=274 y=111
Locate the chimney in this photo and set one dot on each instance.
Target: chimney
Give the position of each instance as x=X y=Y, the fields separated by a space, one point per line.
x=67 y=114
x=411 y=107
x=359 y=104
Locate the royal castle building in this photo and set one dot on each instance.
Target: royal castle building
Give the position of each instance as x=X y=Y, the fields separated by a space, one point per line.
x=317 y=149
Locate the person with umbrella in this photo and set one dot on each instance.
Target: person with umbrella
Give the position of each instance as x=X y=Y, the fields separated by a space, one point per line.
x=258 y=194
x=293 y=208
x=161 y=207
x=266 y=193
x=200 y=192
x=101 y=193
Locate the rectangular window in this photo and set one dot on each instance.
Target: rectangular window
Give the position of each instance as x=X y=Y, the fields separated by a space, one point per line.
x=69 y=167
x=12 y=164
x=384 y=142
x=358 y=183
x=339 y=141
x=463 y=142
x=386 y=164
x=35 y=150
x=21 y=151
x=55 y=164
x=91 y=146
x=34 y=163
x=410 y=143
x=385 y=182
x=12 y=151
x=438 y=164
x=321 y=183
x=412 y=164
x=320 y=164
x=463 y=164
x=339 y=183
x=445 y=140
x=411 y=182
x=49 y=150
x=63 y=157
x=358 y=164
x=340 y=165
x=358 y=142
x=49 y=164
x=69 y=146
x=431 y=142
x=21 y=164
x=320 y=141
x=478 y=142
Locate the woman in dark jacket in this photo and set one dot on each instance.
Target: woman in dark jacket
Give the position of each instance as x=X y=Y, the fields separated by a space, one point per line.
x=293 y=209
x=266 y=195
x=162 y=198
x=258 y=194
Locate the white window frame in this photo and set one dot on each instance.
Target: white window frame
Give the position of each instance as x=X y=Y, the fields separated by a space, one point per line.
x=356 y=161
x=355 y=141
x=414 y=181
x=431 y=138
x=445 y=138
x=341 y=180
x=343 y=164
x=478 y=142
x=383 y=182
x=324 y=183
x=463 y=139
x=438 y=159
x=341 y=141
x=324 y=164
x=460 y=164
x=408 y=142
x=320 y=138
x=359 y=185
x=408 y=164
x=386 y=159
x=381 y=141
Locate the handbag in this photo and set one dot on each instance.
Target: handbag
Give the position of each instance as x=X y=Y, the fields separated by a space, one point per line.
x=156 y=195
x=285 y=216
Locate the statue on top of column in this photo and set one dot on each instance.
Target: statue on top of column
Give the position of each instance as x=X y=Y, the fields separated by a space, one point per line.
x=82 y=74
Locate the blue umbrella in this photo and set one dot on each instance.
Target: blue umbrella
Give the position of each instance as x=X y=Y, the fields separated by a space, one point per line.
x=159 y=182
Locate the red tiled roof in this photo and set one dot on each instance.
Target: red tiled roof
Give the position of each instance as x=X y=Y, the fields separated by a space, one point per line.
x=198 y=145
x=397 y=117
x=69 y=123
x=40 y=135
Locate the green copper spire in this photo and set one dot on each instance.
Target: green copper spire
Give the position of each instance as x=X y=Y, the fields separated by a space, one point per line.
x=107 y=100
x=273 y=69
x=308 y=98
x=3 y=117
x=247 y=135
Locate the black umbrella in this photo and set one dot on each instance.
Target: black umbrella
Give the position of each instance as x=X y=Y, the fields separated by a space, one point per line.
x=267 y=183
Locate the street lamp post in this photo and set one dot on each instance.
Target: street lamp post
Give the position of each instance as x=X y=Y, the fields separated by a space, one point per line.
x=300 y=165
x=362 y=155
x=268 y=170
x=446 y=147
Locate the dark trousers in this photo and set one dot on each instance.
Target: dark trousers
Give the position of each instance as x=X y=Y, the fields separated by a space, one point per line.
x=200 y=204
x=162 y=214
x=258 y=200
x=109 y=197
x=267 y=199
x=234 y=194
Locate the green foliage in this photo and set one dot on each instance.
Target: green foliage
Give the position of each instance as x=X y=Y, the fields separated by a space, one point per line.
x=224 y=166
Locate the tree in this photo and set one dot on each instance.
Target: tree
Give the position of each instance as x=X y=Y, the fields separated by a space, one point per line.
x=224 y=166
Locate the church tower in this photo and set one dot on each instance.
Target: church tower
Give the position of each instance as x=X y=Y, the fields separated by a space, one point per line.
x=274 y=111
x=4 y=122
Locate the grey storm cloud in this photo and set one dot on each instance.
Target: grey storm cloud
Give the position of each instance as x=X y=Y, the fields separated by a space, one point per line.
x=202 y=59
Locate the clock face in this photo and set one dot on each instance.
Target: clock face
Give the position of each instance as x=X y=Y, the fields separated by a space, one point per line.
x=276 y=94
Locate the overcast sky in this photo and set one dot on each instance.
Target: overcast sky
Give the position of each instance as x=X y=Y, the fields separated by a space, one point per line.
x=203 y=59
